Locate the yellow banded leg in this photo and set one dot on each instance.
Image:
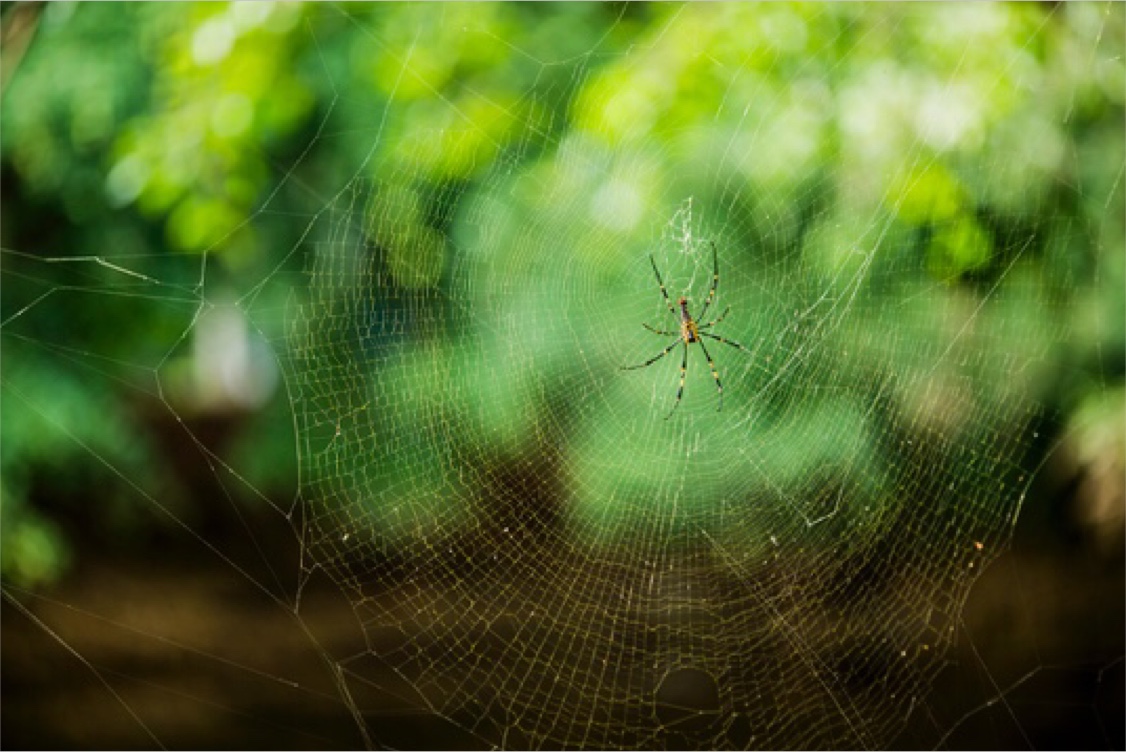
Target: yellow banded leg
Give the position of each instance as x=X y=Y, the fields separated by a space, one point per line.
x=715 y=282
x=715 y=375
x=680 y=389
x=661 y=283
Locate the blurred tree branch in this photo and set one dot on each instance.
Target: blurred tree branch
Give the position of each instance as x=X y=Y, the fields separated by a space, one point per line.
x=18 y=23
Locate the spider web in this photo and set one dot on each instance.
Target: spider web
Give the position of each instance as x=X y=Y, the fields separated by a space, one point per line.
x=539 y=549
x=541 y=554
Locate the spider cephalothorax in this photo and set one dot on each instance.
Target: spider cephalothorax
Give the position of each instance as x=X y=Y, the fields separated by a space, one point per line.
x=690 y=332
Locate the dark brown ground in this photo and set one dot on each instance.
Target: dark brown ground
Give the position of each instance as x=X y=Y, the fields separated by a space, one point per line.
x=207 y=660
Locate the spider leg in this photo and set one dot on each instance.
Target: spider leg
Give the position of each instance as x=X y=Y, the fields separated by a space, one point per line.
x=654 y=359
x=715 y=375
x=662 y=284
x=726 y=341
x=715 y=283
x=680 y=389
x=735 y=344
x=716 y=321
x=658 y=331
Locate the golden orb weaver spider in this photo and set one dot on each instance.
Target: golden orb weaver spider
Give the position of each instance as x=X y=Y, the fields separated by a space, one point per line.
x=690 y=332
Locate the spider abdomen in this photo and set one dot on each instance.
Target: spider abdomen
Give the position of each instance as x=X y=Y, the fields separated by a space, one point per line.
x=689 y=331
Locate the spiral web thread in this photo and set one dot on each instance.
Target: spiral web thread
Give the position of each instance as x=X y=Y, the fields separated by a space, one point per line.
x=915 y=245
x=540 y=556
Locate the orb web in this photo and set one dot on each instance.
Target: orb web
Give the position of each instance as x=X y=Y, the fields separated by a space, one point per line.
x=915 y=213
x=543 y=550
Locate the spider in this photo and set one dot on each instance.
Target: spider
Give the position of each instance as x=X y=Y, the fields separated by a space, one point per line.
x=690 y=332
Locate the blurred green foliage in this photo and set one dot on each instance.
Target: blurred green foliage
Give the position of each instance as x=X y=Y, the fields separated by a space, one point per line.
x=951 y=147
